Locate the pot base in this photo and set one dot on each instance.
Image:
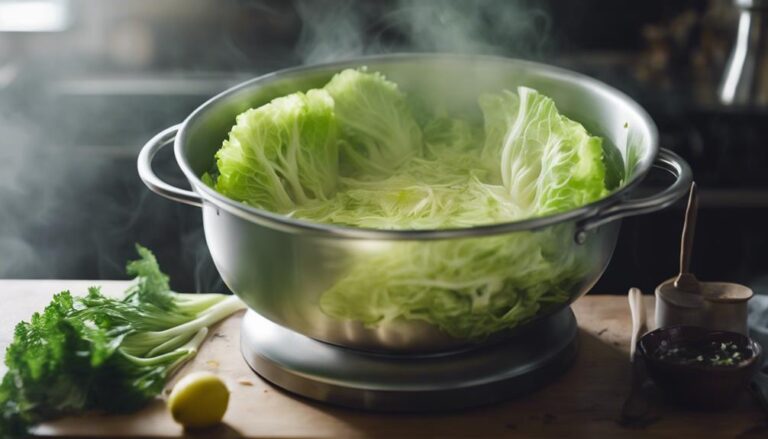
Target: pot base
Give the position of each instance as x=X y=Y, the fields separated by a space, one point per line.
x=410 y=383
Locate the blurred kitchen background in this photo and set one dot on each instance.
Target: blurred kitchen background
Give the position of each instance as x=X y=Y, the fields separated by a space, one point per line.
x=84 y=83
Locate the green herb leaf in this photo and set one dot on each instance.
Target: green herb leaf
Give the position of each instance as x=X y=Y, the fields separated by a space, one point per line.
x=101 y=353
x=151 y=284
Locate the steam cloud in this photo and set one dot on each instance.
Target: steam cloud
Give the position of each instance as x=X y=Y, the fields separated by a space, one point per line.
x=61 y=211
x=335 y=30
x=15 y=253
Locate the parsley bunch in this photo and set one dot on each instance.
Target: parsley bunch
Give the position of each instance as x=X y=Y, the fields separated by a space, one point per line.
x=102 y=353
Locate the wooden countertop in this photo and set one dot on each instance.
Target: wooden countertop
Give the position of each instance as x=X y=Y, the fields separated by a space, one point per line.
x=584 y=402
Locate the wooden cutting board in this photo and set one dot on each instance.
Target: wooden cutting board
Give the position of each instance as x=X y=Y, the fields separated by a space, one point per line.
x=584 y=402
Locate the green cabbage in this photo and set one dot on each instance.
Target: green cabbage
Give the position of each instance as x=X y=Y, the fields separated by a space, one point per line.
x=379 y=130
x=374 y=166
x=447 y=134
x=282 y=154
x=469 y=288
x=424 y=194
x=549 y=163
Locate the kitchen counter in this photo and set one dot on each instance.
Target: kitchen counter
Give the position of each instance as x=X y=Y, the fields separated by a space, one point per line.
x=584 y=402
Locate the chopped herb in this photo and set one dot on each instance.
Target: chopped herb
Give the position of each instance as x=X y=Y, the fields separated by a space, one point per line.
x=710 y=353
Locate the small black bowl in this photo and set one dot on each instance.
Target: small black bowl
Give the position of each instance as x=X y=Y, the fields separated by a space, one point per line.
x=701 y=386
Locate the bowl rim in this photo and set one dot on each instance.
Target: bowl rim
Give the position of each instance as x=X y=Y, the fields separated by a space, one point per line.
x=744 y=364
x=289 y=224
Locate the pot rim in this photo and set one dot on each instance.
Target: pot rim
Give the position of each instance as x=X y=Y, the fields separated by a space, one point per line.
x=275 y=220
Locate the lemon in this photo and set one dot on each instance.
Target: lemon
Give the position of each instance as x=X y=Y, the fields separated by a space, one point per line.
x=198 y=400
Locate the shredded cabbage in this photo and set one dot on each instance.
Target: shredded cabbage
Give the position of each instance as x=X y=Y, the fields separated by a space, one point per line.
x=469 y=288
x=353 y=154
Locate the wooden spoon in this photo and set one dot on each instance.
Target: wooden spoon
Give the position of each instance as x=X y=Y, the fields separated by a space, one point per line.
x=685 y=280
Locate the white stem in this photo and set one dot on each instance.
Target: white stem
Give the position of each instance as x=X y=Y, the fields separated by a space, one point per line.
x=217 y=312
x=169 y=345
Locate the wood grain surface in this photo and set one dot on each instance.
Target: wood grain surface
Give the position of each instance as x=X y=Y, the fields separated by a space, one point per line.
x=584 y=402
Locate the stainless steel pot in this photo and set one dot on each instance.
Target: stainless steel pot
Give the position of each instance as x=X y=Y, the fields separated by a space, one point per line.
x=281 y=266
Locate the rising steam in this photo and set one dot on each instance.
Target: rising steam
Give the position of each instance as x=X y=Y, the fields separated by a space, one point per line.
x=333 y=30
x=65 y=214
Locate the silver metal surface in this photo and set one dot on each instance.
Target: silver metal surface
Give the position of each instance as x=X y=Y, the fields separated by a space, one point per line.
x=153 y=182
x=666 y=160
x=751 y=3
x=281 y=266
x=408 y=383
x=745 y=82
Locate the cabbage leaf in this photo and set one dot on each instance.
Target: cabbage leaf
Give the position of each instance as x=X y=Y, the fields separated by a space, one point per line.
x=548 y=163
x=379 y=131
x=282 y=154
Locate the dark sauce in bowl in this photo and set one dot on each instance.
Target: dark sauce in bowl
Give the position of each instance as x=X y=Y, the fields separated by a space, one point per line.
x=700 y=367
x=704 y=353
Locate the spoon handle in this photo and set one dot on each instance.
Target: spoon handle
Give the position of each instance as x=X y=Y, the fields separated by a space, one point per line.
x=639 y=320
x=689 y=226
x=637 y=407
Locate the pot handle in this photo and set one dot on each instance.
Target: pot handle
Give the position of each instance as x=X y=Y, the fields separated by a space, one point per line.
x=666 y=160
x=153 y=182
